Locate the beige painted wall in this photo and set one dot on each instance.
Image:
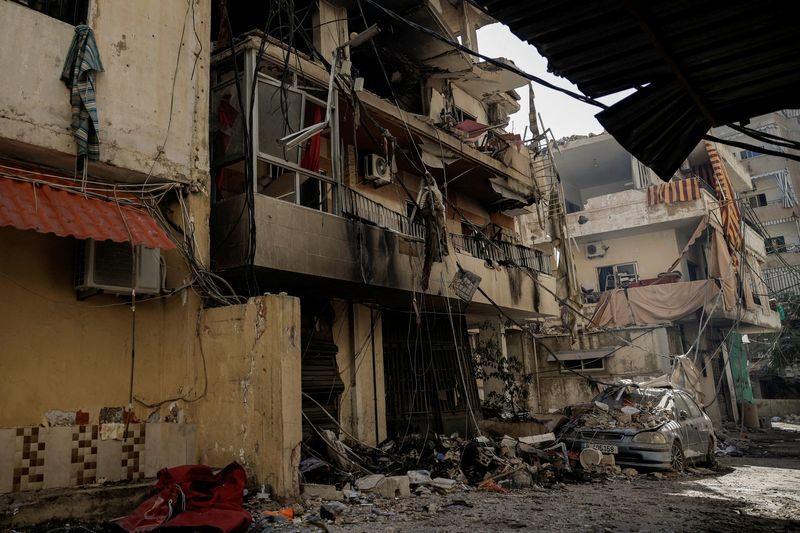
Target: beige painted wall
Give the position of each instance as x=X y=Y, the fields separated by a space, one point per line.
x=557 y=388
x=60 y=353
x=138 y=44
x=652 y=252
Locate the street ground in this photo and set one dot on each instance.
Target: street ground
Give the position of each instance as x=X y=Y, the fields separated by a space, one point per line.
x=743 y=494
x=758 y=491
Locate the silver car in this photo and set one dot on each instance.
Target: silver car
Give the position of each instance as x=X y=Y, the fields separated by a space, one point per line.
x=687 y=436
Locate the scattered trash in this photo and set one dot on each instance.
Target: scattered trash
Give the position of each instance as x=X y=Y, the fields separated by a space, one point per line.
x=491 y=486
x=283 y=515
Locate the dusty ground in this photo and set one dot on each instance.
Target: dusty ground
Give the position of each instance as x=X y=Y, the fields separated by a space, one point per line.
x=758 y=492
x=747 y=494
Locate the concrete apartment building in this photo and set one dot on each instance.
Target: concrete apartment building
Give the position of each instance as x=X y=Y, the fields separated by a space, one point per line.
x=773 y=201
x=281 y=287
x=657 y=241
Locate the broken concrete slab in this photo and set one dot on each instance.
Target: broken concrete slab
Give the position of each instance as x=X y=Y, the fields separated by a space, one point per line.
x=538 y=439
x=394 y=487
x=368 y=483
x=324 y=492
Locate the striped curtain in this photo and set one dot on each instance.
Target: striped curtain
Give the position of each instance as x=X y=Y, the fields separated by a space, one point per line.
x=729 y=209
x=785 y=185
x=686 y=190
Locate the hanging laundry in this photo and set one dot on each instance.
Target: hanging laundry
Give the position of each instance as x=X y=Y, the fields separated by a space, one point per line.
x=80 y=67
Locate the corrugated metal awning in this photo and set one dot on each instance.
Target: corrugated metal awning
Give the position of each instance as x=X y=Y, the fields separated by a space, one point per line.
x=691 y=64
x=582 y=355
x=32 y=201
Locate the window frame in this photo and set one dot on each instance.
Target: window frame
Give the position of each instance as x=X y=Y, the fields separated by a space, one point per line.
x=582 y=366
x=770 y=242
x=614 y=269
x=744 y=155
x=80 y=10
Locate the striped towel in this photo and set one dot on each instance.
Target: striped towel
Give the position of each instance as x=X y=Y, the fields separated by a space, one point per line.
x=83 y=61
x=686 y=190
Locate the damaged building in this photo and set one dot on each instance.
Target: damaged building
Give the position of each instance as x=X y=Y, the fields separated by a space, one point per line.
x=278 y=228
x=664 y=270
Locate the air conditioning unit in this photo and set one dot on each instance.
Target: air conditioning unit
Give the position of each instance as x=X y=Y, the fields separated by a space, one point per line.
x=108 y=266
x=377 y=170
x=595 y=249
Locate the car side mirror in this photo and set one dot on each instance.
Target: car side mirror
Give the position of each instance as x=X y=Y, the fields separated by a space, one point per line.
x=683 y=415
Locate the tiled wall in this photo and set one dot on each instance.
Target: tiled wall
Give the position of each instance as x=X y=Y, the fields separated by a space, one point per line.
x=48 y=457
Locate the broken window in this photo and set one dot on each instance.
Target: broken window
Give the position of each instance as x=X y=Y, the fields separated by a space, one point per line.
x=584 y=364
x=72 y=12
x=613 y=276
x=759 y=200
x=280 y=111
x=775 y=244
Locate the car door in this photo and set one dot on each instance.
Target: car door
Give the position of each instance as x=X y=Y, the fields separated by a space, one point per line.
x=703 y=426
x=688 y=425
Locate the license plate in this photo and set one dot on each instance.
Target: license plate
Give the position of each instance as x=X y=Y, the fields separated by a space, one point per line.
x=605 y=448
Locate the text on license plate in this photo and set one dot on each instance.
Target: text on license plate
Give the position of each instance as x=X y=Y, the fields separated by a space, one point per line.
x=605 y=448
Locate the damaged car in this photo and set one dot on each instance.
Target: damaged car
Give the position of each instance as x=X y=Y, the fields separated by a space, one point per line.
x=646 y=428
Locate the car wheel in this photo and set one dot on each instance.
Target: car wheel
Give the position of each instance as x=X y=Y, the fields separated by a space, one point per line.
x=711 y=457
x=677 y=460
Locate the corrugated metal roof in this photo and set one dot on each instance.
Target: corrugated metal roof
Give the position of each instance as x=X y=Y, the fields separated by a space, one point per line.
x=689 y=61
x=47 y=209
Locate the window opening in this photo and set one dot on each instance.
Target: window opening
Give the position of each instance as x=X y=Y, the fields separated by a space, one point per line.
x=72 y=12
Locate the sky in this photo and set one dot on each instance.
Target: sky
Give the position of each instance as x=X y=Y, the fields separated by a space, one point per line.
x=562 y=114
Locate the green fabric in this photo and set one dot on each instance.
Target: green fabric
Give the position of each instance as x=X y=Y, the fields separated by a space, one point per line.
x=80 y=67
x=781 y=312
x=741 y=375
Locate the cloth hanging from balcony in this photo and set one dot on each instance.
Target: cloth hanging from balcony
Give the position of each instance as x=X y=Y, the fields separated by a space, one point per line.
x=685 y=190
x=80 y=67
x=696 y=235
x=785 y=185
x=432 y=211
x=729 y=209
x=720 y=267
x=311 y=157
x=653 y=304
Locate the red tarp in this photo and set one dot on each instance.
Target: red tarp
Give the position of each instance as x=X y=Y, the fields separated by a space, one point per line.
x=195 y=498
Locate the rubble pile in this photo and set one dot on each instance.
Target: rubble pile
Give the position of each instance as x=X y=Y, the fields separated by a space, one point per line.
x=599 y=415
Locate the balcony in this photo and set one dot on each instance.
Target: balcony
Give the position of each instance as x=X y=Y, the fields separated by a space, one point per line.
x=627 y=212
x=330 y=239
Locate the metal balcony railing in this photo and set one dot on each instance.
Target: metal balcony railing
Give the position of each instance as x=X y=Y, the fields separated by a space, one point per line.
x=502 y=252
x=356 y=205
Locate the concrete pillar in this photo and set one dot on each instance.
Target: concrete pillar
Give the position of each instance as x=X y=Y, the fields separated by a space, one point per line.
x=370 y=393
x=358 y=331
x=252 y=410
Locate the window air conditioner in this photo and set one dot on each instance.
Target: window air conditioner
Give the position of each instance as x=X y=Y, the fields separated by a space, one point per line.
x=107 y=266
x=595 y=249
x=377 y=170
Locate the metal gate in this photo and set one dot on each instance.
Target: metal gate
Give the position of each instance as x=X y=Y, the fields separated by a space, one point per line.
x=430 y=384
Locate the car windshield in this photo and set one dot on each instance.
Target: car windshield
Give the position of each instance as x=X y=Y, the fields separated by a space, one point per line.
x=618 y=397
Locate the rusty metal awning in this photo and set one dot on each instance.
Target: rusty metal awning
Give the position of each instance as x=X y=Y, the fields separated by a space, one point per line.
x=691 y=64
x=46 y=204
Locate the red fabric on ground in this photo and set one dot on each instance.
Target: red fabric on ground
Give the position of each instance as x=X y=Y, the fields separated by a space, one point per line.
x=193 y=497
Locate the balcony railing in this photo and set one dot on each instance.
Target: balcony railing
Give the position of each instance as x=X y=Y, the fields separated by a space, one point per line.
x=502 y=252
x=356 y=205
